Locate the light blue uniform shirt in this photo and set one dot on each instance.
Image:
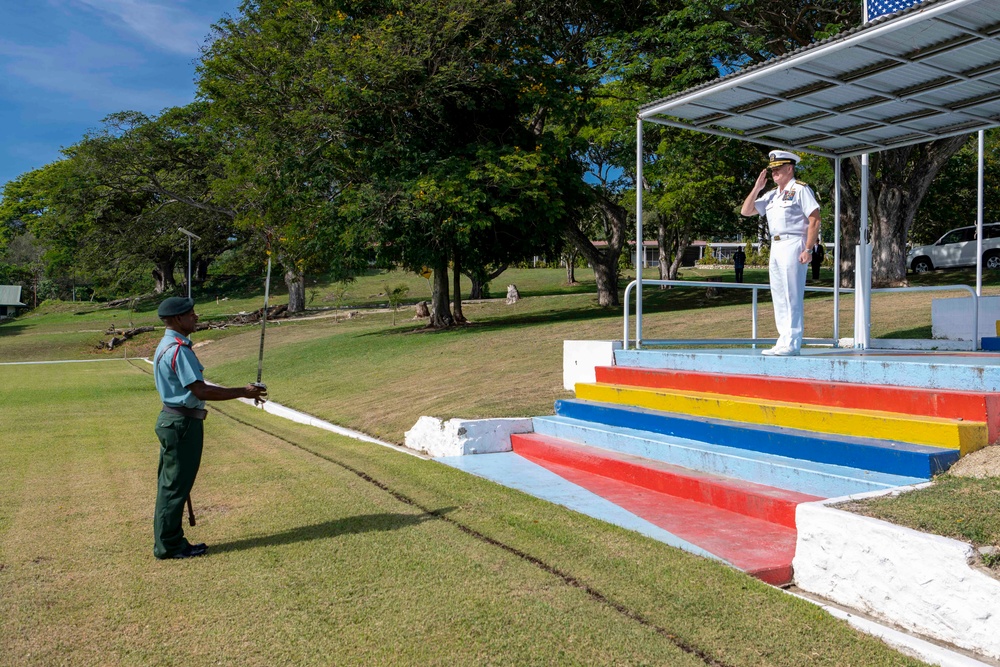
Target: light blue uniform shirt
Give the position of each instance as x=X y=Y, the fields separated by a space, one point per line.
x=176 y=367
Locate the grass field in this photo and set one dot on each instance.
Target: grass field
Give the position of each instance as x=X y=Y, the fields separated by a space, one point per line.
x=365 y=374
x=330 y=551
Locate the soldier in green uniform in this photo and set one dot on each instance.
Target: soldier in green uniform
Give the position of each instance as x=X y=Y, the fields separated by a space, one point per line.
x=179 y=427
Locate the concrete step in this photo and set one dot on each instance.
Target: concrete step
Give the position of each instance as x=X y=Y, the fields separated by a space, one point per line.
x=963 y=371
x=892 y=457
x=762 y=548
x=965 y=436
x=950 y=404
x=747 y=498
x=818 y=479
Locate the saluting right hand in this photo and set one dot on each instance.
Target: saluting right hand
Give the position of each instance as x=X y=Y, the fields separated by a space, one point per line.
x=761 y=179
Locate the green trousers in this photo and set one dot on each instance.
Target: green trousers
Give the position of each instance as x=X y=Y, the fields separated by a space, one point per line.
x=181 y=440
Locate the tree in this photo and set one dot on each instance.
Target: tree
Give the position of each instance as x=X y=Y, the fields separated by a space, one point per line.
x=953 y=197
x=424 y=108
x=697 y=200
x=759 y=30
x=395 y=295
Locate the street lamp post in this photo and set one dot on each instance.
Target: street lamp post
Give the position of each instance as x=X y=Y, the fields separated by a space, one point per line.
x=190 y=235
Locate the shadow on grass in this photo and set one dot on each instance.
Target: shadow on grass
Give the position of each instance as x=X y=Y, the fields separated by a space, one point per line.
x=923 y=332
x=364 y=523
x=503 y=323
x=12 y=329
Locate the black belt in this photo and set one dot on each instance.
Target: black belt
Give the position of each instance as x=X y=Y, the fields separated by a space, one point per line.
x=193 y=413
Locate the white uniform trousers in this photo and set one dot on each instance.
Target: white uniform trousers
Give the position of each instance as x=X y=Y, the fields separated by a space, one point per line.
x=788 y=283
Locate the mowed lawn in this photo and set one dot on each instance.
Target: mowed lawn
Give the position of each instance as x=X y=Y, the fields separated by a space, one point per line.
x=329 y=551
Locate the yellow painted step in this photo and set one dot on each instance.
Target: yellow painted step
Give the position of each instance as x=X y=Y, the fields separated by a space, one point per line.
x=965 y=436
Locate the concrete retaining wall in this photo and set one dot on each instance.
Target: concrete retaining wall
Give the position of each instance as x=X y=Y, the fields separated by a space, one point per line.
x=458 y=437
x=952 y=318
x=581 y=357
x=921 y=582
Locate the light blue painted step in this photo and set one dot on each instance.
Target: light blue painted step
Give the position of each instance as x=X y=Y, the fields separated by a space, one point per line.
x=929 y=370
x=818 y=479
x=516 y=472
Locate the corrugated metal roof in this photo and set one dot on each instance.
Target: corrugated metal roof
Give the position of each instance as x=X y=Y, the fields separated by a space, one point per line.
x=10 y=295
x=928 y=72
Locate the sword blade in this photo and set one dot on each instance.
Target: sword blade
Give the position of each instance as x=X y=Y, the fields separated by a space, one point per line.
x=263 y=321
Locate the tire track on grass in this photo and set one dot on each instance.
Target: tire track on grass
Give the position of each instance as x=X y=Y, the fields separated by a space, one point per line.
x=565 y=577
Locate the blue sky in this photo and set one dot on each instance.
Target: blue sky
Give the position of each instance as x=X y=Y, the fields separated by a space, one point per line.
x=66 y=64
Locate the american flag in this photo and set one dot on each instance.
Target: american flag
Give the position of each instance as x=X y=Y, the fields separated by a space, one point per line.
x=877 y=8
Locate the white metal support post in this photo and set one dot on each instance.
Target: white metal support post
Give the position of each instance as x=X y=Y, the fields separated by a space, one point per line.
x=639 y=250
x=836 y=251
x=862 y=266
x=190 y=235
x=979 y=219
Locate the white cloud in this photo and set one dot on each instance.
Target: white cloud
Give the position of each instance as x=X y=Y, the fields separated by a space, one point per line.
x=83 y=70
x=167 y=26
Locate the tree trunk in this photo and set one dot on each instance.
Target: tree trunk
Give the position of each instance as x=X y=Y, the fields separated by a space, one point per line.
x=440 y=314
x=200 y=271
x=899 y=179
x=295 y=280
x=604 y=261
x=163 y=275
x=683 y=241
x=661 y=244
x=606 y=275
x=476 y=290
x=457 y=307
x=570 y=258
x=482 y=277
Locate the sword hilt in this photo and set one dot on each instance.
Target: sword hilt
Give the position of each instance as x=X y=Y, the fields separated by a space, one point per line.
x=262 y=399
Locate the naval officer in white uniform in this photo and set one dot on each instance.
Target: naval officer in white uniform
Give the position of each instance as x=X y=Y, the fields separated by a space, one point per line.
x=793 y=223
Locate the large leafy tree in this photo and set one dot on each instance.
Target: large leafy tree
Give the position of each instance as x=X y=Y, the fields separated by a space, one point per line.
x=420 y=118
x=148 y=176
x=659 y=48
x=901 y=177
x=953 y=198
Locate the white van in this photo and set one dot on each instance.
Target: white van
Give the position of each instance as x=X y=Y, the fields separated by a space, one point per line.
x=957 y=248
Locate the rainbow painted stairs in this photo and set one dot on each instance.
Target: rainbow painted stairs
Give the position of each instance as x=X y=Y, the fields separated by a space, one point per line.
x=717 y=463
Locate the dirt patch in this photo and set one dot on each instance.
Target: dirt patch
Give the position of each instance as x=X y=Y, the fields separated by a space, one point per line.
x=980 y=465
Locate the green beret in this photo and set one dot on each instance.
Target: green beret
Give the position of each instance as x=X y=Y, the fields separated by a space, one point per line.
x=175 y=305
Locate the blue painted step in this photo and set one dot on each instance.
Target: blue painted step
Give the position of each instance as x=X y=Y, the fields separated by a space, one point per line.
x=895 y=458
x=818 y=479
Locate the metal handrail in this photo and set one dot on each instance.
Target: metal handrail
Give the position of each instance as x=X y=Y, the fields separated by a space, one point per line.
x=709 y=283
x=757 y=286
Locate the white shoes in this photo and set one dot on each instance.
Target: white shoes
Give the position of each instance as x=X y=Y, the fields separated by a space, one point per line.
x=780 y=352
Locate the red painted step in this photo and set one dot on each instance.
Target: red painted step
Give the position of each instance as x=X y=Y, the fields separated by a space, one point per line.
x=757 y=501
x=965 y=405
x=761 y=549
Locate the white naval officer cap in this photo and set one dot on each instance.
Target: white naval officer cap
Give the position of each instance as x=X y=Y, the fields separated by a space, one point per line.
x=778 y=158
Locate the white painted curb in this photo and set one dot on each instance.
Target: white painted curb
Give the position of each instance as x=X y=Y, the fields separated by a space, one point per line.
x=920 y=582
x=460 y=437
x=912 y=646
x=280 y=410
x=581 y=357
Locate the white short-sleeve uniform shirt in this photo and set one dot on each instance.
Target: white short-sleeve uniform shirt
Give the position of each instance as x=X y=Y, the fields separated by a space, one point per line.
x=788 y=210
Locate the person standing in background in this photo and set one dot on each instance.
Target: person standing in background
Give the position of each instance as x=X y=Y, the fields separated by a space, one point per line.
x=739 y=261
